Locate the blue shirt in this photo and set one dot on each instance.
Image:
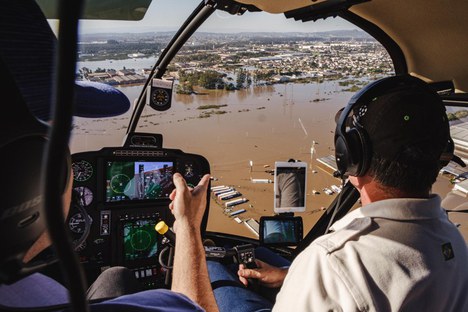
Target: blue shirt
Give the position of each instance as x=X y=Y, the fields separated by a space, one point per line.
x=39 y=290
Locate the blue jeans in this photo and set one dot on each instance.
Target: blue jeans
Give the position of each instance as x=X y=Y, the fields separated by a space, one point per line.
x=231 y=295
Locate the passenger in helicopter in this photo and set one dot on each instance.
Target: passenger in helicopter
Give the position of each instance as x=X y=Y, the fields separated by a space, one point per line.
x=399 y=251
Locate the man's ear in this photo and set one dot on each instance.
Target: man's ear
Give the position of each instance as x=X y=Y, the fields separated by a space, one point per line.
x=360 y=182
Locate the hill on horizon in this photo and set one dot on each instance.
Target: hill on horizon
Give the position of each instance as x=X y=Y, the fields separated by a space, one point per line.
x=351 y=33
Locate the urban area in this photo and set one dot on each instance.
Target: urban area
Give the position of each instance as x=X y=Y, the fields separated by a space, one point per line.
x=236 y=61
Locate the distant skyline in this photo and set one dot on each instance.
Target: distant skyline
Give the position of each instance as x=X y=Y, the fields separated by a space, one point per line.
x=168 y=15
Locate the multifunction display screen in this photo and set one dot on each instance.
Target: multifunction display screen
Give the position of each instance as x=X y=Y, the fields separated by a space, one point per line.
x=140 y=239
x=138 y=180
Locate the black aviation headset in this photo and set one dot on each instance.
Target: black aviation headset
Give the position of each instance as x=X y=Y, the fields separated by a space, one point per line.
x=353 y=149
x=22 y=144
x=23 y=138
x=35 y=167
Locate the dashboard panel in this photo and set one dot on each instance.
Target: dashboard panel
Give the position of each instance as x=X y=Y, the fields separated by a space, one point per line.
x=119 y=196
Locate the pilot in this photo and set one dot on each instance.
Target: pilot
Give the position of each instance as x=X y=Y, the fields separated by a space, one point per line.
x=26 y=67
x=399 y=251
x=38 y=290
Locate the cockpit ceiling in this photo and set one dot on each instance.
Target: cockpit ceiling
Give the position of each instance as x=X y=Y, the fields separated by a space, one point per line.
x=279 y=6
x=133 y=10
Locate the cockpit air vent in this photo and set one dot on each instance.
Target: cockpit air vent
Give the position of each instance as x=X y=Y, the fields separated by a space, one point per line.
x=140 y=153
x=329 y=8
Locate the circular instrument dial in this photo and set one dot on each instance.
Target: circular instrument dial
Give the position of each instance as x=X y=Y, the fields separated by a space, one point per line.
x=85 y=195
x=120 y=183
x=160 y=97
x=82 y=170
x=77 y=223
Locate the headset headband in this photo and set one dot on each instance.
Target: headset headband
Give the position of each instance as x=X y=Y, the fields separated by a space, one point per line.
x=353 y=149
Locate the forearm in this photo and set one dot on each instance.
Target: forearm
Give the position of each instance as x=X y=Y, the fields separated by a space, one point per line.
x=190 y=275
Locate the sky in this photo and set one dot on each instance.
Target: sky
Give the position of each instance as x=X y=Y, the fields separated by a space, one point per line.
x=168 y=15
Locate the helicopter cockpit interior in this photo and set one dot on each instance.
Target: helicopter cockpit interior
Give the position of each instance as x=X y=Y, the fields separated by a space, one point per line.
x=121 y=190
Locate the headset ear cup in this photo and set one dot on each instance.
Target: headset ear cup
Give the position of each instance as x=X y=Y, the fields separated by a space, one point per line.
x=22 y=208
x=351 y=152
x=341 y=154
x=353 y=139
x=448 y=153
x=365 y=152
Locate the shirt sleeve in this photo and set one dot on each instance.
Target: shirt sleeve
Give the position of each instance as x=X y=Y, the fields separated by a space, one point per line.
x=313 y=283
x=36 y=290
x=148 y=301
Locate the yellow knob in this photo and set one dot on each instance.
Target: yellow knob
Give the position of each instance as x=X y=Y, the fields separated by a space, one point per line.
x=161 y=227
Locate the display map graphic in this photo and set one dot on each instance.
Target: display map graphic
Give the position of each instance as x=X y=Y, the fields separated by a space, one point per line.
x=140 y=239
x=129 y=180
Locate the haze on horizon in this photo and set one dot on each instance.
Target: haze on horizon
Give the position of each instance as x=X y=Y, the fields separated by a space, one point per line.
x=168 y=15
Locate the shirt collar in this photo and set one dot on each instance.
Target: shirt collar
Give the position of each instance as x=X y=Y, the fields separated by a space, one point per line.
x=396 y=209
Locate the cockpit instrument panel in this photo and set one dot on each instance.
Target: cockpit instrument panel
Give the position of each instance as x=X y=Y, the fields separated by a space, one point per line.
x=119 y=196
x=82 y=170
x=138 y=180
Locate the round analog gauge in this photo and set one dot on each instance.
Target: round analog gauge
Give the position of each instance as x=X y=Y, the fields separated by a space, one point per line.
x=77 y=223
x=85 y=196
x=160 y=97
x=82 y=170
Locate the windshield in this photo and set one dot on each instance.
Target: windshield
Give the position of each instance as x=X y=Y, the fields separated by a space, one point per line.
x=248 y=91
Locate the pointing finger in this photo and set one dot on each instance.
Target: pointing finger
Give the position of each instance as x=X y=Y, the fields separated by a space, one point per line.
x=179 y=181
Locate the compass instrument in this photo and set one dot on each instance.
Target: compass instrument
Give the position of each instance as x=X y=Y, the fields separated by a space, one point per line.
x=159 y=94
x=160 y=97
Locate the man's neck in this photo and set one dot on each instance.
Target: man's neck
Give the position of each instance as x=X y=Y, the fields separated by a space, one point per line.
x=372 y=191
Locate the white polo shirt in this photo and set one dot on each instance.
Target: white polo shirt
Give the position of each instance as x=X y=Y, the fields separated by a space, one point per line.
x=391 y=255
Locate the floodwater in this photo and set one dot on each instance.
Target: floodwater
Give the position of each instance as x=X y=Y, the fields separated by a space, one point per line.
x=260 y=125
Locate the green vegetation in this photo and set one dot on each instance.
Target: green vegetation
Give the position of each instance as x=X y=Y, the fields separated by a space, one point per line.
x=243 y=79
x=266 y=75
x=208 y=79
x=211 y=106
x=353 y=89
x=209 y=113
x=457 y=115
x=320 y=99
x=206 y=59
x=346 y=83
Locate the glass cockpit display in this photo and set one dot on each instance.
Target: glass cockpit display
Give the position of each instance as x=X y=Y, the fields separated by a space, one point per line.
x=140 y=239
x=138 y=180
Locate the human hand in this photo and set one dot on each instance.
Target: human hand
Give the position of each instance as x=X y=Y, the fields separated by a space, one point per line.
x=267 y=275
x=188 y=205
